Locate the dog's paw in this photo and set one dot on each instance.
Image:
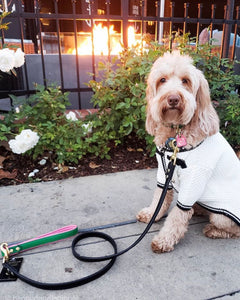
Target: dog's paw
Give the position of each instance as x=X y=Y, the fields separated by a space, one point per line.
x=145 y=215
x=208 y=230
x=212 y=232
x=161 y=245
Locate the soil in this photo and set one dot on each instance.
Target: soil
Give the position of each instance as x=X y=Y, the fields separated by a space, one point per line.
x=131 y=155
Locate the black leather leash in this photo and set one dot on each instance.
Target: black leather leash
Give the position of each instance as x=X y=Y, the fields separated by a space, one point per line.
x=70 y=284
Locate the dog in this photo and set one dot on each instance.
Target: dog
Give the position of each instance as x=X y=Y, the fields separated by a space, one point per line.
x=179 y=106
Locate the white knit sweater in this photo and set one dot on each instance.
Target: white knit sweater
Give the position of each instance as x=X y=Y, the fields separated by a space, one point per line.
x=212 y=177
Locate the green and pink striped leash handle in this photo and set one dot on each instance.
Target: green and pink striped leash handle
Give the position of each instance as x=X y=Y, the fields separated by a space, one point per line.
x=50 y=237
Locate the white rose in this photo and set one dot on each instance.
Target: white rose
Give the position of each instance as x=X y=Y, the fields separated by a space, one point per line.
x=87 y=127
x=19 y=58
x=71 y=116
x=23 y=142
x=16 y=146
x=7 y=60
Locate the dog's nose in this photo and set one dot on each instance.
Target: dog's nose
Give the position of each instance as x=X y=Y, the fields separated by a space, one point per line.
x=173 y=100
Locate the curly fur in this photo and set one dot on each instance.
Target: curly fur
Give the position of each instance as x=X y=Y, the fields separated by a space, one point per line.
x=178 y=93
x=195 y=109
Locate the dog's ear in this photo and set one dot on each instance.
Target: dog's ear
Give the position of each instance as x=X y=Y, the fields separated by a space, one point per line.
x=207 y=116
x=150 y=123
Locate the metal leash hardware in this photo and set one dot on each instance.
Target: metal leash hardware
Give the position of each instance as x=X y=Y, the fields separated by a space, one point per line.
x=5 y=251
x=12 y=265
x=173 y=145
x=16 y=262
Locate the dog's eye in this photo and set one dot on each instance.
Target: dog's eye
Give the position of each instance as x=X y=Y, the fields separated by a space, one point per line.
x=162 y=80
x=184 y=80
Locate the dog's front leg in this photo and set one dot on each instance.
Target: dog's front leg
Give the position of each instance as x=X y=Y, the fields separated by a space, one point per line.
x=173 y=230
x=146 y=213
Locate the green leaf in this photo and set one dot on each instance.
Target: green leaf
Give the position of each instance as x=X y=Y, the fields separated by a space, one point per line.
x=101 y=66
x=120 y=105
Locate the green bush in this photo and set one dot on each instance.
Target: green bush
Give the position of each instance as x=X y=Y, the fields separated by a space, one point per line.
x=44 y=113
x=229 y=112
x=119 y=93
x=218 y=72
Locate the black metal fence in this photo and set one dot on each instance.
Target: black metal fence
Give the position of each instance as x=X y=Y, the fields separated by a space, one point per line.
x=51 y=34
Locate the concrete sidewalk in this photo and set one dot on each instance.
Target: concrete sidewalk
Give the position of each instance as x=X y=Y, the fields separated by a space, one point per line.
x=198 y=268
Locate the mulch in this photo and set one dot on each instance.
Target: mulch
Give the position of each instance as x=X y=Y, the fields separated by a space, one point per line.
x=131 y=155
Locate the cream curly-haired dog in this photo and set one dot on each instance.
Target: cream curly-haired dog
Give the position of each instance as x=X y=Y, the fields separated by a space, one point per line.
x=178 y=94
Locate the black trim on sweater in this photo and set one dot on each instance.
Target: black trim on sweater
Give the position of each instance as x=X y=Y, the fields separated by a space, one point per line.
x=183 y=207
x=222 y=212
x=161 y=186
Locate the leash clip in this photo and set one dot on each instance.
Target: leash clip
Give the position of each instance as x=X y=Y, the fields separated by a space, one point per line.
x=173 y=145
x=5 y=251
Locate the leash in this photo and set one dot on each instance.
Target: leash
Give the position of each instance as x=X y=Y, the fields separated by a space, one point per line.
x=50 y=237
x=10 y=265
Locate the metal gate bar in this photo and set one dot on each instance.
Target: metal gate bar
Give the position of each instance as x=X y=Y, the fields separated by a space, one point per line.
x=124 y=17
